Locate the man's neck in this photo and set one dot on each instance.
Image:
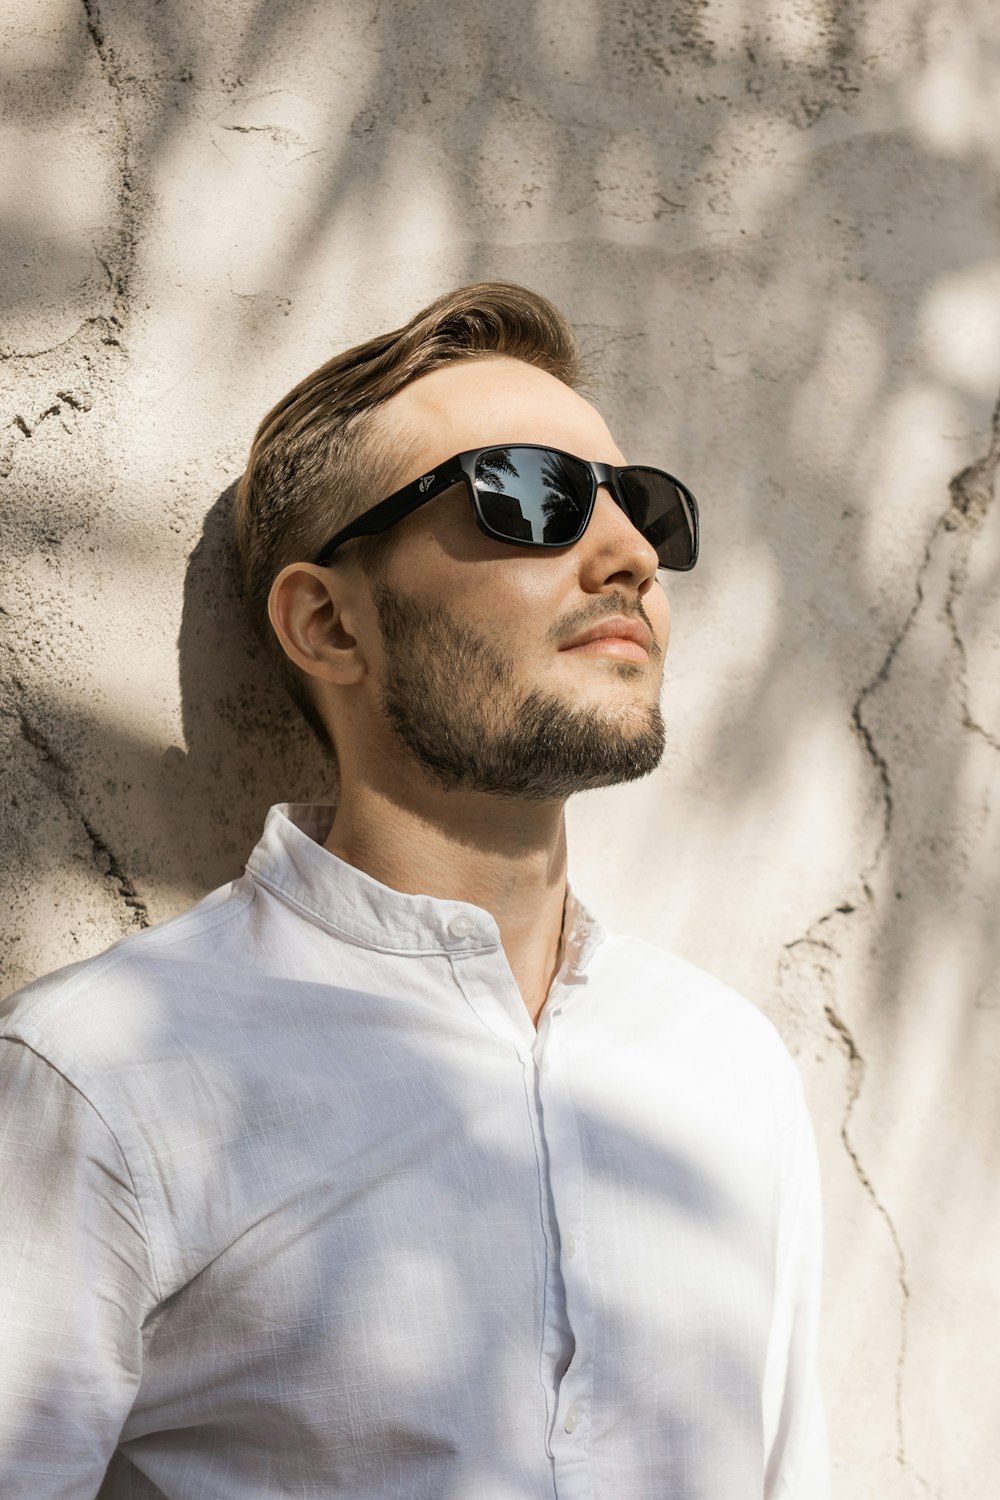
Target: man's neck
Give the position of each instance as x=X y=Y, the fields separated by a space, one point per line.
x=505 y=856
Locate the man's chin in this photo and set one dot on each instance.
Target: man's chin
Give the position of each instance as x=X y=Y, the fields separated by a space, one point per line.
x=630 y=715
x=573 y=750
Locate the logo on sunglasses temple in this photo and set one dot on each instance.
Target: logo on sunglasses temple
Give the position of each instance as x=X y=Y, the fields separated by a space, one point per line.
x=425 y=483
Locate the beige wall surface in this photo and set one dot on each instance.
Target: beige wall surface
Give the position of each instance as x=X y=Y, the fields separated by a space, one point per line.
x=776 y=224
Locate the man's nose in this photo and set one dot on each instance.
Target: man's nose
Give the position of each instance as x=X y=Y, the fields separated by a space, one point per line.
x=617 y=542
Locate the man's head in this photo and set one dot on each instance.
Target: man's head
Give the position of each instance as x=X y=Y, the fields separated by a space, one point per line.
x=435 y=643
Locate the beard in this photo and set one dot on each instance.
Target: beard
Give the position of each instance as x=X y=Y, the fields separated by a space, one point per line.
x=452 y=698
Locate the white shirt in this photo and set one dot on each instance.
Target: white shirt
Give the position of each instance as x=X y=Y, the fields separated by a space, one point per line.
x=294 y=1201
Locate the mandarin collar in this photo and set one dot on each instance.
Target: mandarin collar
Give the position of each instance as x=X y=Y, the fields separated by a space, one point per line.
x=291 y=862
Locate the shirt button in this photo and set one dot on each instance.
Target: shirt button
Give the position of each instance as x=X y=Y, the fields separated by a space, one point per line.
x=570 y=1246
x=572 y=1419
x=461 y=925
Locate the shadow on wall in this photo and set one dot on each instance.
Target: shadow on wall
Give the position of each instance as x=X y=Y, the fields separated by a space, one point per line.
x=247 y=744
x=108 y=830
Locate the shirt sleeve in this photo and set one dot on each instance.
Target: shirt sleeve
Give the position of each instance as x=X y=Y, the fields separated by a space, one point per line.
x=76 y=1281
x=795 y=1430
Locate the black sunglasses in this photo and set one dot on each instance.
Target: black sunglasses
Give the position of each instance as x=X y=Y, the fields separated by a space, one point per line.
x=533 y=496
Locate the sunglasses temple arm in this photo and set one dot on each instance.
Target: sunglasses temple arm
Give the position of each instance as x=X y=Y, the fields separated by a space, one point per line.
x=394 y=508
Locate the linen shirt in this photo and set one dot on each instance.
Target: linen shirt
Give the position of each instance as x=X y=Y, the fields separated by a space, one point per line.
x=296 y=1201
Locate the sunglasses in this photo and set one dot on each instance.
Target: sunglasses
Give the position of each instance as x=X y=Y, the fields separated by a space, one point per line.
x=533 y=496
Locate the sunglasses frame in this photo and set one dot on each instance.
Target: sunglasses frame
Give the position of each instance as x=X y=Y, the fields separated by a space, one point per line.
x=462 y=469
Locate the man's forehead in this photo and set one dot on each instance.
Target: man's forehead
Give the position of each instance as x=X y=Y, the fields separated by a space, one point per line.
x=472 y=403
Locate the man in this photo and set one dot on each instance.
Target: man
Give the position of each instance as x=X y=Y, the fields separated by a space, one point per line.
x=385 y=1171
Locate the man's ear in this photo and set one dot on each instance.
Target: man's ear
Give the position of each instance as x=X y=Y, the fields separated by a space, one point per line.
x=306 y=608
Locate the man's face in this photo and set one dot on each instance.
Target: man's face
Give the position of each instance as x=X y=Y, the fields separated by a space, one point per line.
x=473 y=678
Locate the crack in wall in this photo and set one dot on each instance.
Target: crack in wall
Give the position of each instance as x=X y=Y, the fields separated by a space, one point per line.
x=279 y=135
x=108 y=324
x=77 y=401
x=102 y=854
x=855 y=1081
x=120 y=266
x=856 y=1075
x=120 y=263
x=817 y=948
x=82 y=348
x=971 y=494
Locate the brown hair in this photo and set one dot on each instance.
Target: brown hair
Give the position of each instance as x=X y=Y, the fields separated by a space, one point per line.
x=316 y=461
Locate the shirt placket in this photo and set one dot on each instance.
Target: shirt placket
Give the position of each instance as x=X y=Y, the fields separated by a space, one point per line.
x=491 y=991
x=569 y=1308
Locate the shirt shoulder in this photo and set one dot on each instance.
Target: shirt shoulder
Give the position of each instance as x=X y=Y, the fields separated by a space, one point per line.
x=58 y=1011
x=148 y=1034
x=672 y=995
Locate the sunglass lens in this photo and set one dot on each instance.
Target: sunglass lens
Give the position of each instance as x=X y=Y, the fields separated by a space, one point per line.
x=533 y=494
x=664 y=511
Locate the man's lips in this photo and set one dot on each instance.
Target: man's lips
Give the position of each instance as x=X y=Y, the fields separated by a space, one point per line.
x=630 y=640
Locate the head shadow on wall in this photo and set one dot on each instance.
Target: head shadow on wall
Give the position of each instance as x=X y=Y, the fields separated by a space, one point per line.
x=247 y=744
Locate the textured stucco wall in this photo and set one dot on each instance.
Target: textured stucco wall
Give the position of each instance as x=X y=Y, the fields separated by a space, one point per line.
x=776 y=225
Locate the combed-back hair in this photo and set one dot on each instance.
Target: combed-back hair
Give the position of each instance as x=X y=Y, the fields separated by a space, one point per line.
x=319 y=459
